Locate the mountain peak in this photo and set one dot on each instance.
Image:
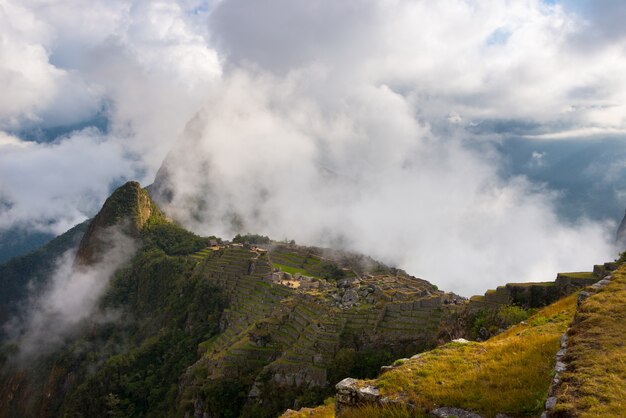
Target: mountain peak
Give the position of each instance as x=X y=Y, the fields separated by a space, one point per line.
x=128 y=207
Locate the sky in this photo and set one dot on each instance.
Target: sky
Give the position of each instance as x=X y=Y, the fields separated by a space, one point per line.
x=472 y=143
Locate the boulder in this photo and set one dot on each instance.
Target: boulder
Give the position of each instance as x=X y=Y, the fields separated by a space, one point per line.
x=350 y=395
x=350 y=297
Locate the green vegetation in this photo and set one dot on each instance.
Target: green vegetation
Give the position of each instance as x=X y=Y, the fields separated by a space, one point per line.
x=251 y=239
x=578 y=275
x=225 y=398
x=173 y=239
x=291 y=270
x=143 y=381
x=277 y=398
x=296 y=261
x=362 y=364
x=489 y=322
x=475 y=376
x=332 y=272
x=324 y=411
x=194 y=336
x=595 y=386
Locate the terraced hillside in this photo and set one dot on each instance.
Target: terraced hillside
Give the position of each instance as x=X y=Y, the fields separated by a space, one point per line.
x=194 y=326
x=295 y=338
x=563 y=361
x=198 y=327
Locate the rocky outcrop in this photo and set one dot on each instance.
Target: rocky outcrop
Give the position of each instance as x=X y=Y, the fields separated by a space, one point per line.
x=128 y=208
x=351 y=395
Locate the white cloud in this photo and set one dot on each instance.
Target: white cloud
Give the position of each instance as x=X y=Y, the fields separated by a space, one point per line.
x=355 y=122
x=53 y=186
x=70 y=297
x=373 y=179
x=142 y=62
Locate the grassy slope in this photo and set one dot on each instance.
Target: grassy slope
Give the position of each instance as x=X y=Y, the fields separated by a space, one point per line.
x=475 y=376
x=291 y=270
x=595 y=385
x=325 y=411
x=509 y=373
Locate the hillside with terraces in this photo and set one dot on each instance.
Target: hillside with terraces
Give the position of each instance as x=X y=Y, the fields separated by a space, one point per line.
x=205 y=327
x=221 y=328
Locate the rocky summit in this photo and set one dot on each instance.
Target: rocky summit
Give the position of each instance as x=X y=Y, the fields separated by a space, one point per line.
x=194 y=326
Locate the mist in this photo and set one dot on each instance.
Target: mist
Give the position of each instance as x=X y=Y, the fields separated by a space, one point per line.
x=377 y=126
x=371 y=179
x=70 y=299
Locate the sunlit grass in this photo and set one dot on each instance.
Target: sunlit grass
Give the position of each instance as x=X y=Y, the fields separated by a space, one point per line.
x=291 y=270
x=595 y=386
x=325 y=411
x=509 y=373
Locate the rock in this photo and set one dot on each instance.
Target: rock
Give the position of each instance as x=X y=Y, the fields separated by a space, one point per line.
x=349 y=395
x=446 y=412
x=460 y=341
x=369 y=393
x=345 y=384
x=483 y=334
x=255 y=392
x=560 y=367
x=550 y=403
x=385 y=369
x=350 y=297
x=554 y=385
x=582 y=296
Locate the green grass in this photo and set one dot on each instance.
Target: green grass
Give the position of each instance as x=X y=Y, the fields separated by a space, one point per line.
x=324 y=411
x=578 y=275
x=292 y=270
x=595 y=386
x=389 y=411
x=530 y=284
x=509 y=373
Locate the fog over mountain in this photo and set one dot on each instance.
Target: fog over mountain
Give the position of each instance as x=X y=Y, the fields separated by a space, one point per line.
x=464 y=141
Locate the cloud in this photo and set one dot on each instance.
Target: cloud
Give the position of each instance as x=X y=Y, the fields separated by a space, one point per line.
x=52 y=187
x=70 y=297
x=374 y=124
x=265 y=157
x=141 y=65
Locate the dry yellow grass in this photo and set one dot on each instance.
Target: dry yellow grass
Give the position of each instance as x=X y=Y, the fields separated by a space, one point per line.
x=385 y=412
x=595 y=383
x=509 y=373
x=325 y=411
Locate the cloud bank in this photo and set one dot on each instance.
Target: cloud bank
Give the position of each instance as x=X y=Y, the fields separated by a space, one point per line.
x=143 y=66
x=372 y=125
x=70 y=298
